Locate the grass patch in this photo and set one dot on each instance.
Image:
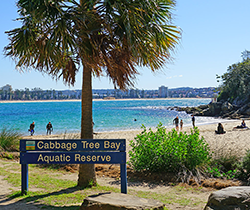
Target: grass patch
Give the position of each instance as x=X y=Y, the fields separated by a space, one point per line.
x=176 y=195
x=56 y=193
x=53 y=191
x=9 y=139
x=45 y=181
x=167 y=198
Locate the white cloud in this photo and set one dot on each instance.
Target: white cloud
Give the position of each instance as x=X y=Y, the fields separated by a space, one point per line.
x=174 y=76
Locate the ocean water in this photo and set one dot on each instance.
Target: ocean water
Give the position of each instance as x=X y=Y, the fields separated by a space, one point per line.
x=108 y=115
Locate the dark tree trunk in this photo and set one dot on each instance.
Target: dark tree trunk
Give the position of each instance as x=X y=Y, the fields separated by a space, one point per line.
x=87 y=176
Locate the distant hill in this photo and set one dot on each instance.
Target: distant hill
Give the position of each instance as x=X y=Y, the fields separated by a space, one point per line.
x=181 y=88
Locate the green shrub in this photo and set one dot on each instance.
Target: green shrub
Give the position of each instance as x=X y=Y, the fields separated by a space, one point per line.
x=216 y=172
x=246 y=162
x=9 y=139
x=168 y=152
x=230 y=166
x=224 y=165
x=244 y=168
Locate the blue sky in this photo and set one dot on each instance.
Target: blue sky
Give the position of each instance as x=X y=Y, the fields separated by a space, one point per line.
x=215 y=32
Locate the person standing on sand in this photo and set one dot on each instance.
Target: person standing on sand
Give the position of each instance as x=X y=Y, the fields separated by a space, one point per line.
x=176 y=122
x=193 y=120
x=181 y=124
x=32 y=128
x=49 y=128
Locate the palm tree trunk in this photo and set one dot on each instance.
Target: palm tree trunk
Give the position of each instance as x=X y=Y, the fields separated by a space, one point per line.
x=87 y=176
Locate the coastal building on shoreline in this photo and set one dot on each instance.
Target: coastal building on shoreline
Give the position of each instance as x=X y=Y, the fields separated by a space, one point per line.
x=163 y=92
x=7 y=93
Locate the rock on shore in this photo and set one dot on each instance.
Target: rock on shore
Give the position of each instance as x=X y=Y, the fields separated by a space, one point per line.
x=229 y=199
x=116 y=201
x=218 y=109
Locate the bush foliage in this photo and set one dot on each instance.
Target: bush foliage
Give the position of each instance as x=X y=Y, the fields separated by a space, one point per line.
x=244 y=168
x=236 y=82
x=9 y=139
x=168 y=152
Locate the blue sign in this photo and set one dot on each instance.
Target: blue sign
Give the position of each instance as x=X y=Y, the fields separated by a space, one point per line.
x=73 y=158
x=71 y=151
x=73 y=145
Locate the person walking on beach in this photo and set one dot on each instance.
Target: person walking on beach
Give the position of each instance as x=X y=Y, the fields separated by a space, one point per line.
x=176 y=122
x=181 y=124
x=193 y=120
x=49 y=128
x=32 y=128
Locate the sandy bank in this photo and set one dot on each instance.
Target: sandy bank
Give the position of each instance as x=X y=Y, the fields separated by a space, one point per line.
x=232 y=142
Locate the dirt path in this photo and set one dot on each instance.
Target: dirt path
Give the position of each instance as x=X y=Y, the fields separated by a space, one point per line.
x=7 y=203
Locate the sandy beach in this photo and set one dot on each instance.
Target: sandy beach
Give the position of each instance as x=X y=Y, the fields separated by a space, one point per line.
x=233 y=142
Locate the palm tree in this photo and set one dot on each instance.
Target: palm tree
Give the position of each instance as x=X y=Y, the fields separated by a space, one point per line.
x=109 y=37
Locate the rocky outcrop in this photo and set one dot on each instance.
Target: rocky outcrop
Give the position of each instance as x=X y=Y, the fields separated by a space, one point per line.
x=190 y=110
x=226 y=107
x=230 y=198
x=214 y=109
x=118 y=201
x=218 y=109
x=228 y=110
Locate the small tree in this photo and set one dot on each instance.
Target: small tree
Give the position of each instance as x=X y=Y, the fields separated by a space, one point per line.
x=236 y=82
x=102 y=36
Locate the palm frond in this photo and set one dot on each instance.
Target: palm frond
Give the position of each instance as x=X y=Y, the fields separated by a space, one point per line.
x=107 y=36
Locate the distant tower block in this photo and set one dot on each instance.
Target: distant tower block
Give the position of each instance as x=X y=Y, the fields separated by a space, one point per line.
x=163 y=92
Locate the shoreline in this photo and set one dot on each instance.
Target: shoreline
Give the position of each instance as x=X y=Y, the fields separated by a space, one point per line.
x=233 y=142
x=168 y=127
x=79 y=100
x=202 y=127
